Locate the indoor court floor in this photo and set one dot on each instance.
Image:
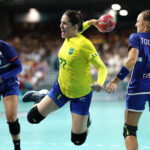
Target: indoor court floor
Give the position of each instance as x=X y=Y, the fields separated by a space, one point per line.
x=105 y=133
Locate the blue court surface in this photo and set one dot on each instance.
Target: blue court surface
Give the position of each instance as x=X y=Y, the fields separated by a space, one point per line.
x=105 y=133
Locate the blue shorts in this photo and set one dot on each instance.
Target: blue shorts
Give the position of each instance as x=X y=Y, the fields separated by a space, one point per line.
x=78 y=106
x=137 y=102
x=9 y=87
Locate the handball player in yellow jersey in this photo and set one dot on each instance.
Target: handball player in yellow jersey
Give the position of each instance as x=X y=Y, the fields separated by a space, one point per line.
x=75 y=83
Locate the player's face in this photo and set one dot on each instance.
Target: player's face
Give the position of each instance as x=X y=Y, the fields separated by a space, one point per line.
x=67 y=30
x=140 y=24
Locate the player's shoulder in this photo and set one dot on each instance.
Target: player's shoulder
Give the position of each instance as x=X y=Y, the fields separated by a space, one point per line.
x=85 y=41
x=5 y=44
x=2 y=43
x=134 y=35
x=138 y=35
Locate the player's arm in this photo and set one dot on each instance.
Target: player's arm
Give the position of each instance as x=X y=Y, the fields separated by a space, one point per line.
x=102 y=73
x=88 y=23
x=16 y=69
x=125 y=70
x=14 y=61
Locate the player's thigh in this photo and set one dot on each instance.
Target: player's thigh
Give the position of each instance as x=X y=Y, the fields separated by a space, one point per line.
x=80 y=111
x=132 y=117
x=136 y=103
x=11 y=107
x=46 y=106
x=53 y=101
x=79 y=123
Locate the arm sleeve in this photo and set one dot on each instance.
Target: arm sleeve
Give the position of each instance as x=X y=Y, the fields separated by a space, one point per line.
x=90 y=53
x=85 y=26
x=134 y=41
x=15 y=64
x=101 y=68
x=16 y=69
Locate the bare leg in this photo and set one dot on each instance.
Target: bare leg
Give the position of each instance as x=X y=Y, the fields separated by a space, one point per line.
x=40 y=110
x=79 y=123
x=11 y=108
x=46 y=106
x=132 y=118
x=79 y=129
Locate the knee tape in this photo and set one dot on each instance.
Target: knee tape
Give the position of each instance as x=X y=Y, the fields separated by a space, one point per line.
x=78 y=139
x=14 y=127
x=129 y=130
x=34 y=116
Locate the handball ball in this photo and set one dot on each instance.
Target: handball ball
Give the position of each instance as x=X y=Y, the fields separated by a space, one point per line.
x=106 y=23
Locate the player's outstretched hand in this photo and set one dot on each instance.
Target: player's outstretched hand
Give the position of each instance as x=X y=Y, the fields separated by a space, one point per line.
x=96 y=87
x=94 y=22
x=111 y=87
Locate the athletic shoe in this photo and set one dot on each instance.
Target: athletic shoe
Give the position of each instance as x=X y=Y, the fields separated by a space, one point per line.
x=34 y=96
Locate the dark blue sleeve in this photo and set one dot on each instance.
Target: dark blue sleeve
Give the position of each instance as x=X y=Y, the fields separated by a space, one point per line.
x=16 y=69
x=134 y=41
x=12 y=57
x=11 y=52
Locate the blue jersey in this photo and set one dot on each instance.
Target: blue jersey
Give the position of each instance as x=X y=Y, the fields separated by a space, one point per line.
x=10 y=64
x=140 y=78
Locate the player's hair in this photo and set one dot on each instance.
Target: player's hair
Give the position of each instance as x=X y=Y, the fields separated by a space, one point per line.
x=75 y=17
x=146 y=15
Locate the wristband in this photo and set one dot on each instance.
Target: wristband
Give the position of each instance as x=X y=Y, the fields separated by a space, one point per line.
x=123 y=73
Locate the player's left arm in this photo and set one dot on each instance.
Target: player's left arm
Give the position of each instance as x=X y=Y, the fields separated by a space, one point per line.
x=125 y=70
x=102 y=73
x=89 y=52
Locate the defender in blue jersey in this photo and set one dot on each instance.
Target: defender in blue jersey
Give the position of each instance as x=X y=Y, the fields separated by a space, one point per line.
x=10 y=66
x=139 y=86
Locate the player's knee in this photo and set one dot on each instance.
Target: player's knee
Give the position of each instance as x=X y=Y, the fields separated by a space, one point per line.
x=14 y=127
x=129 y=130
x=34 y=116
x=78 y=139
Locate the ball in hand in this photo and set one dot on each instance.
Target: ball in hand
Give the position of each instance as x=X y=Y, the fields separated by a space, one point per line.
x=106 y=23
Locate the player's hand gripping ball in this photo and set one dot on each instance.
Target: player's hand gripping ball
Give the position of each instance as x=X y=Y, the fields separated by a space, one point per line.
x=106 y=23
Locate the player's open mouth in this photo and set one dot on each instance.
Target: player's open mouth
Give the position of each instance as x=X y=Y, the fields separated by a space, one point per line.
x=63 y=32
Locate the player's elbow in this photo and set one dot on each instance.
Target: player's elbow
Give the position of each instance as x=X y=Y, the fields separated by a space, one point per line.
x=20 y=68
x=104 y=70
x=132 y=62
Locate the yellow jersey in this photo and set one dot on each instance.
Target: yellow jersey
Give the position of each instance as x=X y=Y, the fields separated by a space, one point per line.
x=75 y=58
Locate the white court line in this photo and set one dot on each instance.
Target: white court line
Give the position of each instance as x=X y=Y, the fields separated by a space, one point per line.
x=7 y=142
x=20 y=114
x=25 y=142
x=116 y=146
x=38 y=142
x=146 y=147
x=99 y=145
x=53 y=143
x=68 y=144
x=85 y=145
